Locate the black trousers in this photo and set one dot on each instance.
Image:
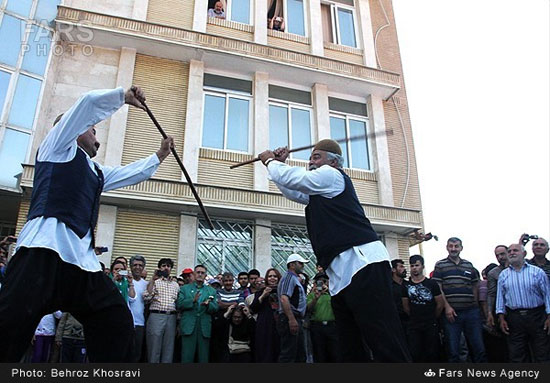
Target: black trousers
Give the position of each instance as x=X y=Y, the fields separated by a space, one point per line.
x=324 y=338
x=366 y=314
x=73 y=351
x=526 y=329
x=293 y=348
x=38 y=282
x=424 y=342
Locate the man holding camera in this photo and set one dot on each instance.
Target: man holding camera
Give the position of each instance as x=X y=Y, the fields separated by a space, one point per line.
x=57 y=242
x=198 y=303
x=324 y=336
x=162 y=293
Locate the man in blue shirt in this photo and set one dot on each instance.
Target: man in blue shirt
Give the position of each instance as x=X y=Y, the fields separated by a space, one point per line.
x=57 y=242
x=523 y=307
x=292 y=309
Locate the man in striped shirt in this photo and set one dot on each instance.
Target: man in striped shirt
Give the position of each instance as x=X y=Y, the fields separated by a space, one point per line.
x=523 y=307
x=459 y=280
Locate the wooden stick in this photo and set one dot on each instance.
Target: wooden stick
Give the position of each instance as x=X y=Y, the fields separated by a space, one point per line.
x=187 y=177
x=342 y=140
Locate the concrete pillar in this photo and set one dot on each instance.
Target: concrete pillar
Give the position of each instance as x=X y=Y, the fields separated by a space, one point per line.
x=117 y=127
x=193 y=118
x=392 y=245
x=200 y=15
x=315 y=28
x=188 y=243
x=262 y=245
x=261 y=128
x=320 y=106
x=106 y=223
x=366 y=33
x=380 y=153
x=260 y=22
x=140 y=10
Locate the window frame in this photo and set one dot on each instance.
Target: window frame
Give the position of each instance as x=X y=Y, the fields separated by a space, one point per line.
x=347 y=117
x=228 y=15
x=17 y=71
x=336 y=35
x=228 y=93
x=293 y=105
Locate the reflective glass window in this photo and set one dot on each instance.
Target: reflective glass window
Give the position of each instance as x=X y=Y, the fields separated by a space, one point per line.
x=21 y=7
x=46 y=10
x=346 y=27
x=4 y=83
x=295 y=15
x=278 y=126
x=24 y=102
x=11 y=32
x=301 y=132
x=237 y=124
x=12 y=155
x=214 y=121
x=240 y=11
x=37 y=50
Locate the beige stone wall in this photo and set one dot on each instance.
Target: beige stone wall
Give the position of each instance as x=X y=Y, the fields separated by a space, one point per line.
x=279 y=42
x=214 y=169
x=77 y=70
x=123 y=8
x=152 y=234
x=344 y=56
x=175 y=13
x=22 y=216
x=235 y=33
x=165 y=85
x=402 y=167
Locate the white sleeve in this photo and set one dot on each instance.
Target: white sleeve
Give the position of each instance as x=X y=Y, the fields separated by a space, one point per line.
x=325 y=181
x=131 y=174
x=293 y=195
x=90 y=109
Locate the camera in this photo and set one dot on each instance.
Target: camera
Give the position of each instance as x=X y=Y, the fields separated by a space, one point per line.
x=319 y=283
x=123 y=272
x=527 y=237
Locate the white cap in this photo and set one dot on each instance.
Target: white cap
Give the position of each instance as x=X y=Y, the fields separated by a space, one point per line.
x=296 y=258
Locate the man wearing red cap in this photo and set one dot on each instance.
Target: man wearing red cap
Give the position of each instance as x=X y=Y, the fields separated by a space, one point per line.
x=188 y=276
x=348 y=249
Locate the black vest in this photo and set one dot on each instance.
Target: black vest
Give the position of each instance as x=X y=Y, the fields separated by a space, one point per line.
x=337 y=224
x=68 y=191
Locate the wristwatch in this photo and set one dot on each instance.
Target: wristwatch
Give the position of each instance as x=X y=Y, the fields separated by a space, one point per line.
x=268 y=161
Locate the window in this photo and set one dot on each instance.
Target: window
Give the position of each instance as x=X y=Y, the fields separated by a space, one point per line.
x=240 y=11
x=25 y=47
x=292 y=12
x=339 y=23
x=226 y=118
x=349 y=120
x=290 y=120
x=288 y=239
x=226 y=248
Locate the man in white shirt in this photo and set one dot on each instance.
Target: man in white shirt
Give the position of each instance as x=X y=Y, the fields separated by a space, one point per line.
x=348 y=249
x=57 y=242
x=137 y=304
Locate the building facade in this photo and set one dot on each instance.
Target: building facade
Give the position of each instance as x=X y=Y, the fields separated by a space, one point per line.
x=226 y=88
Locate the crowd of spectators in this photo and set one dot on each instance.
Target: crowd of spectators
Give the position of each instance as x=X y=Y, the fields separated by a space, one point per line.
x=456 y=314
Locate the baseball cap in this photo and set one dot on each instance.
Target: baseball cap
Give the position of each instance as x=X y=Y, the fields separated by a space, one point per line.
x=296 y=258
x=187 y=271
x=212 y=281
x=278 y=18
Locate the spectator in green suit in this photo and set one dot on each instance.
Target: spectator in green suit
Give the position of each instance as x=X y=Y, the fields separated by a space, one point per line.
x=197 y=302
